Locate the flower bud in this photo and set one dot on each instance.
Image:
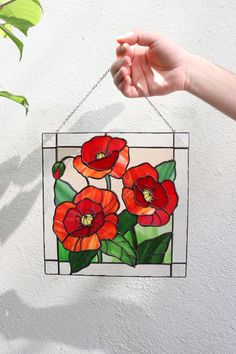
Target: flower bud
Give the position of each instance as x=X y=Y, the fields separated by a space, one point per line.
x=58 y=169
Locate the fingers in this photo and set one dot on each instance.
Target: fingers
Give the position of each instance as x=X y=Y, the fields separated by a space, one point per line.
x=124 y=83
x=123 y=80
x=120 y=75
x=117 y=65
x=127 y=89
x=122 y=51
x=120 y=70
x=121 y=67
x=140 y=37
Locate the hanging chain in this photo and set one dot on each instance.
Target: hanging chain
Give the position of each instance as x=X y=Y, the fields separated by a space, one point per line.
x=159 y=114
x=82 y=101
x=89 y=93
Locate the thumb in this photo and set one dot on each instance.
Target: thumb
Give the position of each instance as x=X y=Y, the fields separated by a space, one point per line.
x=142 y=38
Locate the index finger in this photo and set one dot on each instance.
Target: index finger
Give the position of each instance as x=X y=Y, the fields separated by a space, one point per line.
x=122 y=50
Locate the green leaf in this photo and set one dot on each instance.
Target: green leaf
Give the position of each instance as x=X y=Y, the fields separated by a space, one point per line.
x=166 y=170
x=121 y=249
x=167 y=258
x=2 y=33
x=80 y=260
x=126 y=222
x=19 y=99
x=21 y=14
x=131 y=237
x=63 y=253
x=63 y=192
x=17 y=42
x=147 y=232
x=153 y=250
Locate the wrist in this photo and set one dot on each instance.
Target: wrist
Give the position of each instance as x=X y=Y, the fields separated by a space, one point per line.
x=189 y=72
x=197 y=73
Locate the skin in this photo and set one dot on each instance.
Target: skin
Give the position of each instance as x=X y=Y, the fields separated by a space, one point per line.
x=149 y=64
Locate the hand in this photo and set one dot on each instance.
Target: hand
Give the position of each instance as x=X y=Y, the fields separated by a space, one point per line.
x=149 y=64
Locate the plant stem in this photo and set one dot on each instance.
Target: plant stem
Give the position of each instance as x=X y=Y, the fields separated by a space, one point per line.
x=108 y=181
x=134 y=239
x=99 y=255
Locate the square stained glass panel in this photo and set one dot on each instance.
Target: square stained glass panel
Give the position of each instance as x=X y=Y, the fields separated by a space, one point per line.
x=144 y=232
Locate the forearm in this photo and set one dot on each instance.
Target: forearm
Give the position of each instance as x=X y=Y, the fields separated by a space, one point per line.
x=212 y=84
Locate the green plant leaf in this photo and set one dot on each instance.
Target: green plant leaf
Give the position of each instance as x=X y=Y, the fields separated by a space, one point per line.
x=63 y=192
x=17 y=42
x=21 y=14
x=126 y=222
x=147 y=232
x=80 y=260
x=121 y=249
x=2 y=33
x=153 y=250
x=167 y=258
x=63 y=253
x=166 y=170
x=131 y=237
x=19 y=99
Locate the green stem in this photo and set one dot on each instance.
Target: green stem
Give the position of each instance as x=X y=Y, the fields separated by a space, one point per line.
x=108 y=181
x=134 y=239
x=99 y=256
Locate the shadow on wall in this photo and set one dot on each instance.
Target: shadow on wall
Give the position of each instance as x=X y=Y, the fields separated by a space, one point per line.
x=25 y=172
x=92 y=321
x=96 y=321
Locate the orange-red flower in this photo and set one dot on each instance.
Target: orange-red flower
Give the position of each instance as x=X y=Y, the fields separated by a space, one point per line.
x=144 y=196
x=103 y=155
x=81 y=224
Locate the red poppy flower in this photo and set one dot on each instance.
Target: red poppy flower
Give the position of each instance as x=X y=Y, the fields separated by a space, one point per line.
x=144 y=196
x=103 y=155
x=81 y=224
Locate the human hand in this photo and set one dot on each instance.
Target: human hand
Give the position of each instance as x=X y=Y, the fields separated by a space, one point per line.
x=149 y=64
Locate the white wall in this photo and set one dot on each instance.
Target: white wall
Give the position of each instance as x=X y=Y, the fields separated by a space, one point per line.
x=64 y=55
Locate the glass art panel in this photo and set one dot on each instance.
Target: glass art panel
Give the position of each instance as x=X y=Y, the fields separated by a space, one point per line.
x=115 y=204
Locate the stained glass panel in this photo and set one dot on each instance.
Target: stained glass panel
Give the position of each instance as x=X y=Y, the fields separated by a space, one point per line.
x=115 y=204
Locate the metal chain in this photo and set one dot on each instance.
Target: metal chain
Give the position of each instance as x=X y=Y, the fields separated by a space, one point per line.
x=89 y=93
x=83 y=100
x=159 y=114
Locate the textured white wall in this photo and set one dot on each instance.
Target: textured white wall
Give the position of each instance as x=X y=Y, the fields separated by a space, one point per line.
x=64 y=55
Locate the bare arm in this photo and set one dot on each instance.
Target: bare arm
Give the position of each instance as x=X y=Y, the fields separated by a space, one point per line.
x=212 y=84
x=150 y=64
